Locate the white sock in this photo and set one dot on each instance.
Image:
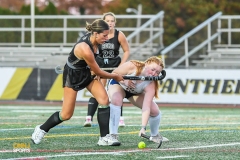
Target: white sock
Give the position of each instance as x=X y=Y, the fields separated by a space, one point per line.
x=115 y=112
x=154 y=123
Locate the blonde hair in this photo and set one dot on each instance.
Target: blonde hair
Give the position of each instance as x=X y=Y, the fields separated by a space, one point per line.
x=109 y=14
x=140 y=65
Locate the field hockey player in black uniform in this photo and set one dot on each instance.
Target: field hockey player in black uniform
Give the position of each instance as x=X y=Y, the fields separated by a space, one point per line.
x=108 y=57
x=77 y=76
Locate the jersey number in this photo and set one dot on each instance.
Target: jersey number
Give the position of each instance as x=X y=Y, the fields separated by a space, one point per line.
x=108 y=54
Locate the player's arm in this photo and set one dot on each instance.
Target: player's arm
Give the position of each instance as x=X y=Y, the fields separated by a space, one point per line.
x=147 y=102
x=125 y=68
x=83 y=51
x=125 y=47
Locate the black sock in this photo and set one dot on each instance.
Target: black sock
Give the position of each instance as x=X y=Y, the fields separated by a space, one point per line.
x=121 y=110
x=92 y=107
x=103 y=116
x=52 y=121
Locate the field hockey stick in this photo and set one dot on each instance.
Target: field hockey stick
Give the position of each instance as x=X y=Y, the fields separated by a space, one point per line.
x=59 y=69
x=149 y=138
x=147 y=78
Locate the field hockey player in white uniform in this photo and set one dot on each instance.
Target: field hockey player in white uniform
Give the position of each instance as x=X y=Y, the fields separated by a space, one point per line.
x=140 y=93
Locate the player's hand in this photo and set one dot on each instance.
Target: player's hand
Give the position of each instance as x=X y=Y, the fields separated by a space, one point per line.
x=97 y=78
x=142 y=131
x=131 y=83
x=118 y=77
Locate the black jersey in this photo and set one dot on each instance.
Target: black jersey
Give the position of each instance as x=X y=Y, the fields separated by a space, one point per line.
x=73 y=60
x=110 y=48
x=76 y=74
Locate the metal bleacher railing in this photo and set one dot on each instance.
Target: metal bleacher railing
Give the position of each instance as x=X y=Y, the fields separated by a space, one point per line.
x=48 y=55
x=211 y=50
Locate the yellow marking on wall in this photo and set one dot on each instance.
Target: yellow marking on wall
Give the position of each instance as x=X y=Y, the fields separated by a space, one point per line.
x=56 y=91
x=16 y=83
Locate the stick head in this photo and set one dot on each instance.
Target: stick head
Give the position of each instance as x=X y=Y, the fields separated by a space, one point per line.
x=58 y=69
x=163 y=75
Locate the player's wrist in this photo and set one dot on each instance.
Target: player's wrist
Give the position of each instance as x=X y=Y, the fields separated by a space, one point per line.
x=115 y=73
x=144 y=127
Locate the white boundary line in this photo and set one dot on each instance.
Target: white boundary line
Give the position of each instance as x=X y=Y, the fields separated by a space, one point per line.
x=167 y=157
x=68 y=154
x=136 y=125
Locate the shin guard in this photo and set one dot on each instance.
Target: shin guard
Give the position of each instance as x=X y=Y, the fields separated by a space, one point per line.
x=103 y=116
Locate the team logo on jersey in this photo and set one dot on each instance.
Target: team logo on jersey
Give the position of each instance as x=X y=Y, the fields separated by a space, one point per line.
x=108 y=46
x=105 y=61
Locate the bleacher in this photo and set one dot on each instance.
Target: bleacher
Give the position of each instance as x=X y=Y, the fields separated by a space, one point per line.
x=50 y=55
x=220 y=58
x=36 y=57
x=212 y=52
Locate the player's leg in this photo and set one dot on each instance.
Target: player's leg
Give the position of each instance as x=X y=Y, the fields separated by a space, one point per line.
x=116 y=95
x=92 y=107
x=154 y=123
x=103 y=115
x=121 y=121
x=92 y=102
x=57 y=117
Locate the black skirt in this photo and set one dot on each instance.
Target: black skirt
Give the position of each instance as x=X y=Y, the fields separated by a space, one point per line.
x=77 y=79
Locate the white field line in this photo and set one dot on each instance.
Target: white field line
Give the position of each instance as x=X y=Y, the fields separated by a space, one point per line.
x=16 y=129
x=171 y=157
x=135 y=125
x=134 y=109
x=69 y=154
x=52 y=111
x=33 y=111
x=29 y=107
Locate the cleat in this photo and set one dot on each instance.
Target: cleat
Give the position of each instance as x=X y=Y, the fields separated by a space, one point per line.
x=102 y=142
x=164 y=139
x=109 y=140
x=157 y=139
x=121 y=122
x=88 y=122
x=38 y=135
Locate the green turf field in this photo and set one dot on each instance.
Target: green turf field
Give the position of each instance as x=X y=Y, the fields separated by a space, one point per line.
x=194 y=133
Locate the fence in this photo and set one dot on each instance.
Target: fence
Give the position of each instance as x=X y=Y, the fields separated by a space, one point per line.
x=150 y=34
x=215 y=32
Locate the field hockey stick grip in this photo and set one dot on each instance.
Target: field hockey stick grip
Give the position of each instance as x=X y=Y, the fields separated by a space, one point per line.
x=147 y=78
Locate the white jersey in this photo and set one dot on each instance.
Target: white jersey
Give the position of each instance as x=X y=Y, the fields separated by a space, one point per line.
x=139 y=88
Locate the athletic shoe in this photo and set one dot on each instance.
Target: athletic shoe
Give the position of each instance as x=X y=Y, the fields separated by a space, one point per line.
x=102 y=142
x=157 y=139
x=88 y=122
x=121 y=122
x=38 y=134
x=109 y=140
x=165 y=139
